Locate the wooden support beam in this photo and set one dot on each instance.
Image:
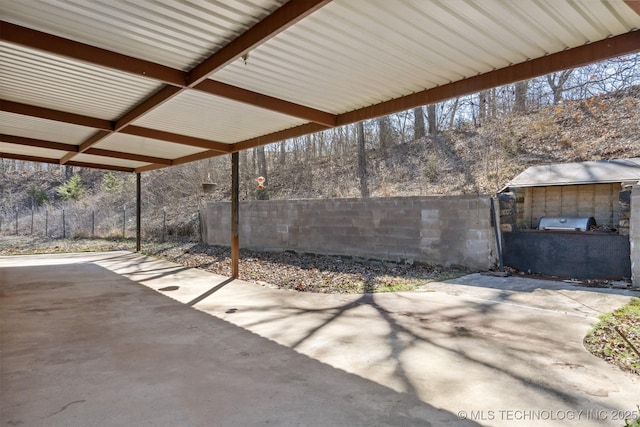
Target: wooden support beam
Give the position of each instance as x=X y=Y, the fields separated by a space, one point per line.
x=235 y=215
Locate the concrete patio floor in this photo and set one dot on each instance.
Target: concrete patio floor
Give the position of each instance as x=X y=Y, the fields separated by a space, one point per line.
x=119 y=339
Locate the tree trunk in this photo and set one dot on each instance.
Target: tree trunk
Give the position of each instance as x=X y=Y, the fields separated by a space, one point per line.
x=556 y=82
x=68 y=172
x=418 y=123
x=262 y=162
x=520 y=104
x=362 y=162
x=432 y=119
x=454 y=111
x=482 y=107
x=384 y=129
x=283 y=153
x=493 y=104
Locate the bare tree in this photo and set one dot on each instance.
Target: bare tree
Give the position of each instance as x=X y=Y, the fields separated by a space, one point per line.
x=556 y=82
x=418 y=123
x=520 y=103
x=452 y=112
x=362 y=162
x=432 y=119
x=384 y=129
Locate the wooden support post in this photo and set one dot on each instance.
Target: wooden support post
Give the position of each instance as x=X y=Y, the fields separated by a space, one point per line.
x=138 y=212
x=235 y=196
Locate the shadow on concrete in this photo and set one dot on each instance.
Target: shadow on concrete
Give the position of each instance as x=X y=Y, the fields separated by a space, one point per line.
x=210 y=292
x=443 y=330
x=531 y=284
x=139 y=357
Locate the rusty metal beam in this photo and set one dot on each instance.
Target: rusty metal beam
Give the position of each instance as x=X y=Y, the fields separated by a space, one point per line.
x=283 y=18
x=633 y=4
x=32 y=142
x=86 y=144
x=267 y=102
x=216 y=146
x=57 y=161
x=128 y=156
x=570 y=58
x=294 y=132
x=71 y=49
x=149 y=168
x=55 y=115
x=235 y=215
x=26 y=158
x=144 y=107
x=195 y=157
x=100 y=166
x=40 y=143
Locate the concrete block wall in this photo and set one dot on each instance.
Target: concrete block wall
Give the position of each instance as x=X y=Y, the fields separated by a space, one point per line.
x=634 y=235
x=438 y=230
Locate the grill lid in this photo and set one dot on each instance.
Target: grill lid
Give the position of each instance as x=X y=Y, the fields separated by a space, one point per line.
x=566 y=223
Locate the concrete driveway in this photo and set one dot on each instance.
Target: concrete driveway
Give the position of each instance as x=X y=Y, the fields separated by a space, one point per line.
x=92 y=339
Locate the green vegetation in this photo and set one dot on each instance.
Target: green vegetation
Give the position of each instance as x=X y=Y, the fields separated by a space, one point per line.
x=111 y=183
x=38 y=195
x=72 y=189
x=607 y=340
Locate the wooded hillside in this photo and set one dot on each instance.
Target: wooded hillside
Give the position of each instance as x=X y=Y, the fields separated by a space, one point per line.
x=472 y=144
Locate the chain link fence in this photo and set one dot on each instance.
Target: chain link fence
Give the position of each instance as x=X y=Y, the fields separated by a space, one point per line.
x=111 y=222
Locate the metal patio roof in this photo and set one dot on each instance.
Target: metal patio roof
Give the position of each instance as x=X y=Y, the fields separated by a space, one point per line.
x=136 y=86
x=595 y=172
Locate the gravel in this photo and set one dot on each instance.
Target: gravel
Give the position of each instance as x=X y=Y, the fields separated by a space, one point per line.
x=286 y=270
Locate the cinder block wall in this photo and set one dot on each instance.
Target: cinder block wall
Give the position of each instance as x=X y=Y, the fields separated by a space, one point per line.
x=634 y=235
x=438 y=230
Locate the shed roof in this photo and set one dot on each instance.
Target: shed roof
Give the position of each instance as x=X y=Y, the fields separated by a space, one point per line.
x=141 y=85
x=595 y=172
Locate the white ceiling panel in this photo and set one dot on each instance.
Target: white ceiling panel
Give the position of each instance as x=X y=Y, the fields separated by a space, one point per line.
x=175 y=33
x=35 y=78
x=204 y=116
x=334 y=56
x=48 y=130
x=146 y=146
x=354 y=53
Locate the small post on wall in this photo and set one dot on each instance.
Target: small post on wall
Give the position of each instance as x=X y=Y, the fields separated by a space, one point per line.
x=235 y=197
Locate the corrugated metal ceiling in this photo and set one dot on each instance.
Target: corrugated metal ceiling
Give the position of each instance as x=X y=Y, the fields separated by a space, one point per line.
x=35 y=78
x=178 y=34
x=318 y=60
